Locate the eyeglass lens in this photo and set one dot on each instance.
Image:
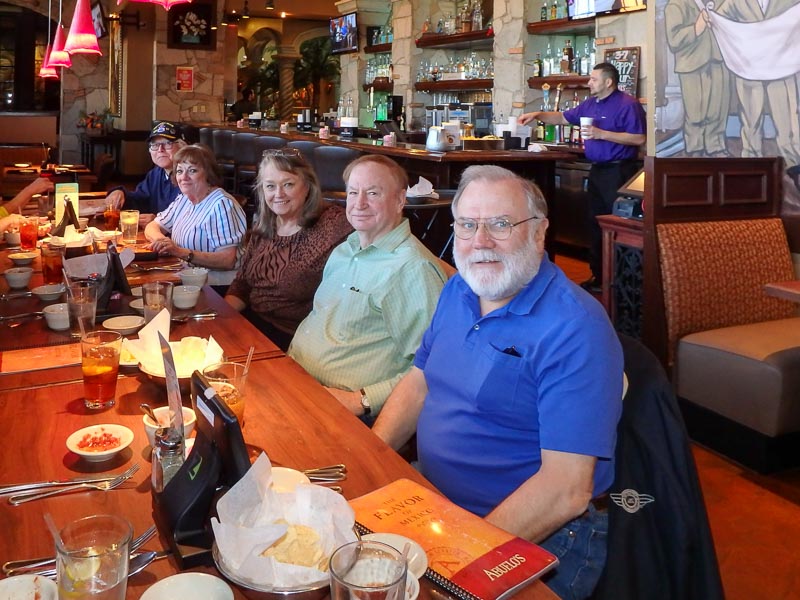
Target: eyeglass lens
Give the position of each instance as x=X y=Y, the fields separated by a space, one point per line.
x=163 y=145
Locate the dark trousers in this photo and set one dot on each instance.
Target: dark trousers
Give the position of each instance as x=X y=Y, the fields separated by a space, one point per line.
x=604 y=181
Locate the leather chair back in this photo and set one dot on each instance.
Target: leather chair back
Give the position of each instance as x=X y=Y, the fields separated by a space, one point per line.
x=331 y=162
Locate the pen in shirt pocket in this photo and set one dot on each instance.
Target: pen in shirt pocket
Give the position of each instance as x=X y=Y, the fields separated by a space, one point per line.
x=355 y=289
x=512 y=351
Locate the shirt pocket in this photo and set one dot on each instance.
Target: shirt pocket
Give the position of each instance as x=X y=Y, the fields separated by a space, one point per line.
x=497 y=380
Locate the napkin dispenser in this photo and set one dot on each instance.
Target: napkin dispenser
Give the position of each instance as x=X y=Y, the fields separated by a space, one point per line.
x=217 y=461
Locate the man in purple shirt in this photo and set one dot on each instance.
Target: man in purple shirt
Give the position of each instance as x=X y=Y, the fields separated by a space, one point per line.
x=611 y=142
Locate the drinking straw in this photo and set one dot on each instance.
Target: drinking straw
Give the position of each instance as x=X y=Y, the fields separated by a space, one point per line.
x=249 y=359
x=51 y=525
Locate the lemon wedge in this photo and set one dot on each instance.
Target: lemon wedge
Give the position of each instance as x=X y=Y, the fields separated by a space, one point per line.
x=82 y=569
x=95 y=370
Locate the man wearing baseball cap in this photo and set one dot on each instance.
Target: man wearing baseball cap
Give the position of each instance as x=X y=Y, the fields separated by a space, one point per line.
x=157 y=190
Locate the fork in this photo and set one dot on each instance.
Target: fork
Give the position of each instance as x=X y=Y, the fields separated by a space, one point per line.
x=203 y=316
x=102 y=486
x=170 y=267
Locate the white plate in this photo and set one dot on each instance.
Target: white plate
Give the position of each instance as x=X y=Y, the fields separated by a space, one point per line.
x=47 y=293
x=417 y=559
x=285 y=479
x=136 y=291
x=189 y=585
x=124 y=434
x=137 y=304
x=124 y=325
x=28 y=586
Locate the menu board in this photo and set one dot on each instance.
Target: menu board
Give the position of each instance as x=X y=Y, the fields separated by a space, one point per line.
x=627 y=62
x=66 y=192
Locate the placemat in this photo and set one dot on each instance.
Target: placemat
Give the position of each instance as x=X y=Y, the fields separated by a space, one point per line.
x=34 y=359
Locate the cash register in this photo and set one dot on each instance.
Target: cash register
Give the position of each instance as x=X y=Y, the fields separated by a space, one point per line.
x=629 y=202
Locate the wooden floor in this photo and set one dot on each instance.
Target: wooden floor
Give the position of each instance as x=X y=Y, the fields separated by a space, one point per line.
x=755 y=519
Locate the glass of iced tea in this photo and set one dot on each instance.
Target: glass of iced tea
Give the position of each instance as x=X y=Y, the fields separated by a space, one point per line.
x=100 y=363
x=229 y=380
x=156 y=295
x=111 y=216
x=52 y=262
x=92 y=558
x=28 y=234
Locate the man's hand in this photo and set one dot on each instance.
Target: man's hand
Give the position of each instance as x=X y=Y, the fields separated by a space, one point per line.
x=526 y=118
x=350 y=400
x=701 y=23
x=116 y=198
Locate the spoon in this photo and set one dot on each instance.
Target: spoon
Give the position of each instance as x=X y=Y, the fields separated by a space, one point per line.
x=149 y=412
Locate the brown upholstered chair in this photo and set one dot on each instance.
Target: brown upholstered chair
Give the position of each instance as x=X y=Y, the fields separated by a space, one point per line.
x=734 y=351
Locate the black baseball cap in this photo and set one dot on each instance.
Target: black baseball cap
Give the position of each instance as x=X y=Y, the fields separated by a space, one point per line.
x=165 y=129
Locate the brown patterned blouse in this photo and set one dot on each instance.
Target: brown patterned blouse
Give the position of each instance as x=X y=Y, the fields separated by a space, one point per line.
x=278 y=277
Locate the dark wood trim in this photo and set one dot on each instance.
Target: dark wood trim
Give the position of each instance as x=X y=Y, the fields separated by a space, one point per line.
x=482 y=39
x=575 y=27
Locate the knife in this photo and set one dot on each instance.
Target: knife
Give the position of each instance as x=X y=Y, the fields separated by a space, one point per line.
x=12 y=295
x=23 y=487
x=173 y=389
x=22 y=316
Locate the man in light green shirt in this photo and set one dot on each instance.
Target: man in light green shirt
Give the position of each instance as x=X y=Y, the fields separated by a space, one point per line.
x=378 y=292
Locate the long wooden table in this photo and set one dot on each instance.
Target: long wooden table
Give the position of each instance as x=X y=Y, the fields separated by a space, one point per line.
x=289 y=415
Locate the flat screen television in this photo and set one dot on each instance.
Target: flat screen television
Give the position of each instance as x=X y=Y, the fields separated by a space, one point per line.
x=99 y=20
x=581 y=9
x=344 y=34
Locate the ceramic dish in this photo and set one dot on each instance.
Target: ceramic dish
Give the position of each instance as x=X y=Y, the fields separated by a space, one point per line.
x=285 y=479
x=80 y=437
x=22 y=259
x=124 y=325
x=162 y=413
x=137 y=304
x=18 y=277
x=417 y=559
x=136 y=292
x=48 y=293
x=24 y=587
x=189 y=585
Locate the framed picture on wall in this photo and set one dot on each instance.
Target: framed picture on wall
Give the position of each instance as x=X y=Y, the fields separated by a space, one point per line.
x=189 y=26
x=99 y=20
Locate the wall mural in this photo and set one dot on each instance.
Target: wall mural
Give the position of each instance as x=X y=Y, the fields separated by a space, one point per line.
x=728 y=83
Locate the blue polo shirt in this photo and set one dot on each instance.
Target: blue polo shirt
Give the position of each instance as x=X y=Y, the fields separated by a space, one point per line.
x=153 y=194
x=618 y=112
x=544 y=371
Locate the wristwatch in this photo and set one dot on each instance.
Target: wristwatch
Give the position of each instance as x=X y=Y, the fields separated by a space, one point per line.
x=190 y=257
x=365 y=402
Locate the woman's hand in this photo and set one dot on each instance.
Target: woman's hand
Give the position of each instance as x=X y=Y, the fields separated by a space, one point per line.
x=166 y=247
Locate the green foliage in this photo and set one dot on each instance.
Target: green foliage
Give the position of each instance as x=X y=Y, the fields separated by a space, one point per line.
x=315 y=64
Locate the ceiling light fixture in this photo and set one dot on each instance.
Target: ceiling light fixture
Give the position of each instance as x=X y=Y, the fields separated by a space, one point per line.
x=82 y=39
x=58 y=57
x=270 y=5
x=166 y=4
x=283 y=14
x=46 y=71
x=246 y=11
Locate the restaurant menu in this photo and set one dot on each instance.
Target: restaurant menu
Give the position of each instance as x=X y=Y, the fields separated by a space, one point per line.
x=467 y=555
x=66 y=192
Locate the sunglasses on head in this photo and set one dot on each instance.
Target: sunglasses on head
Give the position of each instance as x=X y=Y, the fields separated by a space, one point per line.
x=284 y=152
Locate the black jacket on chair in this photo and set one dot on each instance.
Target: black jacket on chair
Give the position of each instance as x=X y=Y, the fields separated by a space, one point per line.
x=659 y=540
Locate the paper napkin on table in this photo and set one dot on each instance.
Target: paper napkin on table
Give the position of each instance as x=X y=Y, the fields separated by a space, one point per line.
x=423 y=188
x=537 y=148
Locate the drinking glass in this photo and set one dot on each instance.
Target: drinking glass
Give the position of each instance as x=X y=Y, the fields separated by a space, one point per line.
x=92 y=558
x=111 y=215
x=82 y=303
x=367 y=571
x=156 y=295
x=229 y=380
x=28 y=233
x=52 y=262
x=100 y=363
x=129 y=221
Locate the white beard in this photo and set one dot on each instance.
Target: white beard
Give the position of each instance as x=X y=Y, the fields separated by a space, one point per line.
x=519 y=268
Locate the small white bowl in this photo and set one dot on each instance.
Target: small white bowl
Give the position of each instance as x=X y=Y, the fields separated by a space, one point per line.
x=285 y=479
x=124 y=325
x=22 y=259
x=18 y=277
x=194 y=276
x=12 y=239
x=162 y=414
x=189 y=585
x=417 y=559
x=137 y=305
x=57 y=317
x=28 y=586
x=123 y=434
x=136 y=292
x=48 y=293
x=185 y=296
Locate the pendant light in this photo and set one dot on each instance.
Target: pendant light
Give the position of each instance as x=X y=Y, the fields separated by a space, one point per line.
x=82 y=39
x=167 y=4
x=58 y=57
x=46 y=71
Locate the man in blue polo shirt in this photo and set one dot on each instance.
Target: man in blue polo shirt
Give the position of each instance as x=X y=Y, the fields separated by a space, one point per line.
x=516 y=388
x=611 y=143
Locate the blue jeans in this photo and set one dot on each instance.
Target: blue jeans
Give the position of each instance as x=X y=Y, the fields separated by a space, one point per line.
x=581 y=550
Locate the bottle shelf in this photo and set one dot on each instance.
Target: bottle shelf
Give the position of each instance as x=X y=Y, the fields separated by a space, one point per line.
x=478 y=40
x=379 y=84
x=456 y=85
x=575 y=27
x=378 y=49
x=567 y=81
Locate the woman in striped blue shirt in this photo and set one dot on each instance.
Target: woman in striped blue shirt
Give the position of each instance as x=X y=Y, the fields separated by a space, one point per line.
x=204 y=226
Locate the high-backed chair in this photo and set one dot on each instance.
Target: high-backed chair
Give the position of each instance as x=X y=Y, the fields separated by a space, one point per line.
x=207 y=136
x=222 y=144
x=734 y=351
x=306 y=148
x=659 y=541
x=331 y=162
x=246 y=171
x=244 y=153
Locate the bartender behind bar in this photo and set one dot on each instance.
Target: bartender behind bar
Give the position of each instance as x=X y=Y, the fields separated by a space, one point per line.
x=611 y=143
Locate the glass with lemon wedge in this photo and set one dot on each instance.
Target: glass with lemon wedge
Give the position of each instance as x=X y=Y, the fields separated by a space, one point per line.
x=92 y=558
x=100 y=363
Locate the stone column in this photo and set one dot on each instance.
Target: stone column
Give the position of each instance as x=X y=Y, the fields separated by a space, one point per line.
x=510 y=38
x=286 y=59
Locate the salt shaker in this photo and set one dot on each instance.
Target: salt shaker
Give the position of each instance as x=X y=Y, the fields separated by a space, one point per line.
x=167 y=457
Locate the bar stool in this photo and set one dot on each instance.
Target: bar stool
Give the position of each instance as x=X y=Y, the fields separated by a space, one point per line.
x=244 y=153
x=222 y=144
x=306 y=148
x=331 y=161
x=246 y=172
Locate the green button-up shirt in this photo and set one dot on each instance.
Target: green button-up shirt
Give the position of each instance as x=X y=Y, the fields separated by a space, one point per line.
x=369 y=314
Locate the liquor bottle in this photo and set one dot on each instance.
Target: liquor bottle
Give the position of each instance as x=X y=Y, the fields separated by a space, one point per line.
x=554 y=10
x=593 y=55
x=466 y=18
x=449 y=24
x=537 y=65
x=562 y=9
x=540 y=126
x=477 y=17
x=545 y=14
x=349 y=106
x=459 y=27
x=586 y=65
x=567 y=57
x=547 y=64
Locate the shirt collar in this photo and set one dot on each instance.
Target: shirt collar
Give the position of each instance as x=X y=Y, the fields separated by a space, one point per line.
x=386 y=243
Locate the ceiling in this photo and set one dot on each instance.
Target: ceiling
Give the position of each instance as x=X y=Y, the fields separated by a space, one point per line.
x=295 y=9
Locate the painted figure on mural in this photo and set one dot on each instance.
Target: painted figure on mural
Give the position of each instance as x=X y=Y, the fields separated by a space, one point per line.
x=765 y=80
x=704 y=79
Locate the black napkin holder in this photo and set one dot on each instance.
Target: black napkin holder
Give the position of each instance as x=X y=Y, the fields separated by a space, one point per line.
x=69 y=218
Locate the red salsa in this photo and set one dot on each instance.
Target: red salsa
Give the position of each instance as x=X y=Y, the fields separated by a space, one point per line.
x=99 y=442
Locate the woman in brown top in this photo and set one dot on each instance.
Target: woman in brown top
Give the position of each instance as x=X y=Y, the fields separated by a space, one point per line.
x=293 y=234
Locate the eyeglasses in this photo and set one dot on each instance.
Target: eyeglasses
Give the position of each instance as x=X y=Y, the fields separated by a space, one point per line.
x=284 y=152
x=161 y=145
x=498 y=228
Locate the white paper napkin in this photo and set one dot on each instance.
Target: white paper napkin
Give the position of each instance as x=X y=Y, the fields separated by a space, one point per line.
x=423 y=188
x=537 y=148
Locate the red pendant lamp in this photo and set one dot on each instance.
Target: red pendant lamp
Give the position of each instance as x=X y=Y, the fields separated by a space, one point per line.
x=46 y=71
x=82 y=39
x=58 y=56
x=167 y=4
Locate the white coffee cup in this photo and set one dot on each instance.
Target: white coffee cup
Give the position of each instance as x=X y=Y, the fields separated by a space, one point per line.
x=585 y=123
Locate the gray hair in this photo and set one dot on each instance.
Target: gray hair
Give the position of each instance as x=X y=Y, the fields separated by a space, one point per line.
x=537 y=205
